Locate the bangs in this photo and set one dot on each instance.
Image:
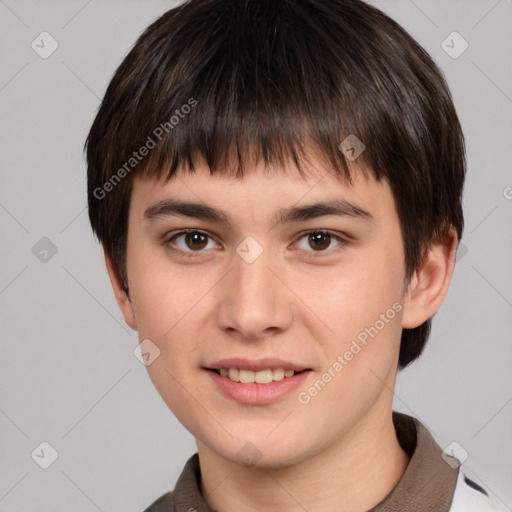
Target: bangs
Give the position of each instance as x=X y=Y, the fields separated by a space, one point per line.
x=257 y=92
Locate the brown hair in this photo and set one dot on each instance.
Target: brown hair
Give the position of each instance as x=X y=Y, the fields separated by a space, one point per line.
x=254 y=80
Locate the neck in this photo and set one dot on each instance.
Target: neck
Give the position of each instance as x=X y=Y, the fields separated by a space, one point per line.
x=355 y=474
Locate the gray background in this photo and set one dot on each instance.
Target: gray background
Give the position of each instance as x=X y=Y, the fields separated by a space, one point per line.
x=68 y=373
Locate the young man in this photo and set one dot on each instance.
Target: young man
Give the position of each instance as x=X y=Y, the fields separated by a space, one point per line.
x=277 y=187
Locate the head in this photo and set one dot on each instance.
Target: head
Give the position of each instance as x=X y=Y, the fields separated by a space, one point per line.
x=257 y=111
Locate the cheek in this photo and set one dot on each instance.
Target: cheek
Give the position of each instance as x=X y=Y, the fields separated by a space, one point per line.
x=166 y=305
x=162 y=295
x=354 y=296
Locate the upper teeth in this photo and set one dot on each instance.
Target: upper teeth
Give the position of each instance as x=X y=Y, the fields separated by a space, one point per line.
x=260 y=377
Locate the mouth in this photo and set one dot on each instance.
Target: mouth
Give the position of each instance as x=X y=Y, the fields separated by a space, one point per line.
x=256 y=382
x=265 y=376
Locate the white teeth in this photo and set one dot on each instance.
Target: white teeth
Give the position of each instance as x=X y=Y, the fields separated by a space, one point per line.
x=278 y=374
x=234 y=374
x=246 y=376
x=260 y=377
x=263 y=376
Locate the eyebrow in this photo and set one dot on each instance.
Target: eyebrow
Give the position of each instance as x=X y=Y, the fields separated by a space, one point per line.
x=341 y=208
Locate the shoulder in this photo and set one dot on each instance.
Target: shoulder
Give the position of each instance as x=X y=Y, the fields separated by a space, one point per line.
x=186 y=490
x=470 y=496
x=162 y=504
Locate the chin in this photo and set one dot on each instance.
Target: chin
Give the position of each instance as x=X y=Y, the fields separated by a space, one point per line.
x=260 y=452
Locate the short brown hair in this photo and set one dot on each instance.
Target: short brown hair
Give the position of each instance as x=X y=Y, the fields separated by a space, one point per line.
x=263 y=79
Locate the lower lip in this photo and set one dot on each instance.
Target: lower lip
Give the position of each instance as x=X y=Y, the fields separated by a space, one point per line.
x=258 y=394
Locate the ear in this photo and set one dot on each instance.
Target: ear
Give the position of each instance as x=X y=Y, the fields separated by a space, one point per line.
x=122 y=298
x=429 y=285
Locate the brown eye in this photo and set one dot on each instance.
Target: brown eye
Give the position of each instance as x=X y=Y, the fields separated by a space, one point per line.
x=196 y=240
x=319 y=240
x=191 y=241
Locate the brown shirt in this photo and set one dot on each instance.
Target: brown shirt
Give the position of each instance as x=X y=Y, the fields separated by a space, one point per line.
x=427 y=485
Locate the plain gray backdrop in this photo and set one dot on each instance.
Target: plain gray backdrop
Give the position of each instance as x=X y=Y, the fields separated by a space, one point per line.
x=68 y=373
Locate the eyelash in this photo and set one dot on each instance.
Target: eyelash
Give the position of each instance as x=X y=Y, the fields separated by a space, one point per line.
x=342 y=242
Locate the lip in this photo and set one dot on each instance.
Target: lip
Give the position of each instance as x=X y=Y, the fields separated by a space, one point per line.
x=257 y=394
x=255 y=365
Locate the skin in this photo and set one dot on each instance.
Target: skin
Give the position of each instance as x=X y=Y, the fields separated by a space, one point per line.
x=296 y=302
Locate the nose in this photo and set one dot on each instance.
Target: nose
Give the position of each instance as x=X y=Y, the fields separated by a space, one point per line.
x=254 y=302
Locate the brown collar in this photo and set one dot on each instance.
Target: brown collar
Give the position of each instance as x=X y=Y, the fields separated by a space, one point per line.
x=427 y=484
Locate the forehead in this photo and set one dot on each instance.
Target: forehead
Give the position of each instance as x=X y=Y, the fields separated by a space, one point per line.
x=262 y=190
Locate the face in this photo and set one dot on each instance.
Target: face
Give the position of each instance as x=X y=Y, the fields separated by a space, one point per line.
x=293 y=282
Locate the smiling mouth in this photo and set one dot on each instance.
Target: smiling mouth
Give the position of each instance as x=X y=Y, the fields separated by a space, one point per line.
x=255 y=377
